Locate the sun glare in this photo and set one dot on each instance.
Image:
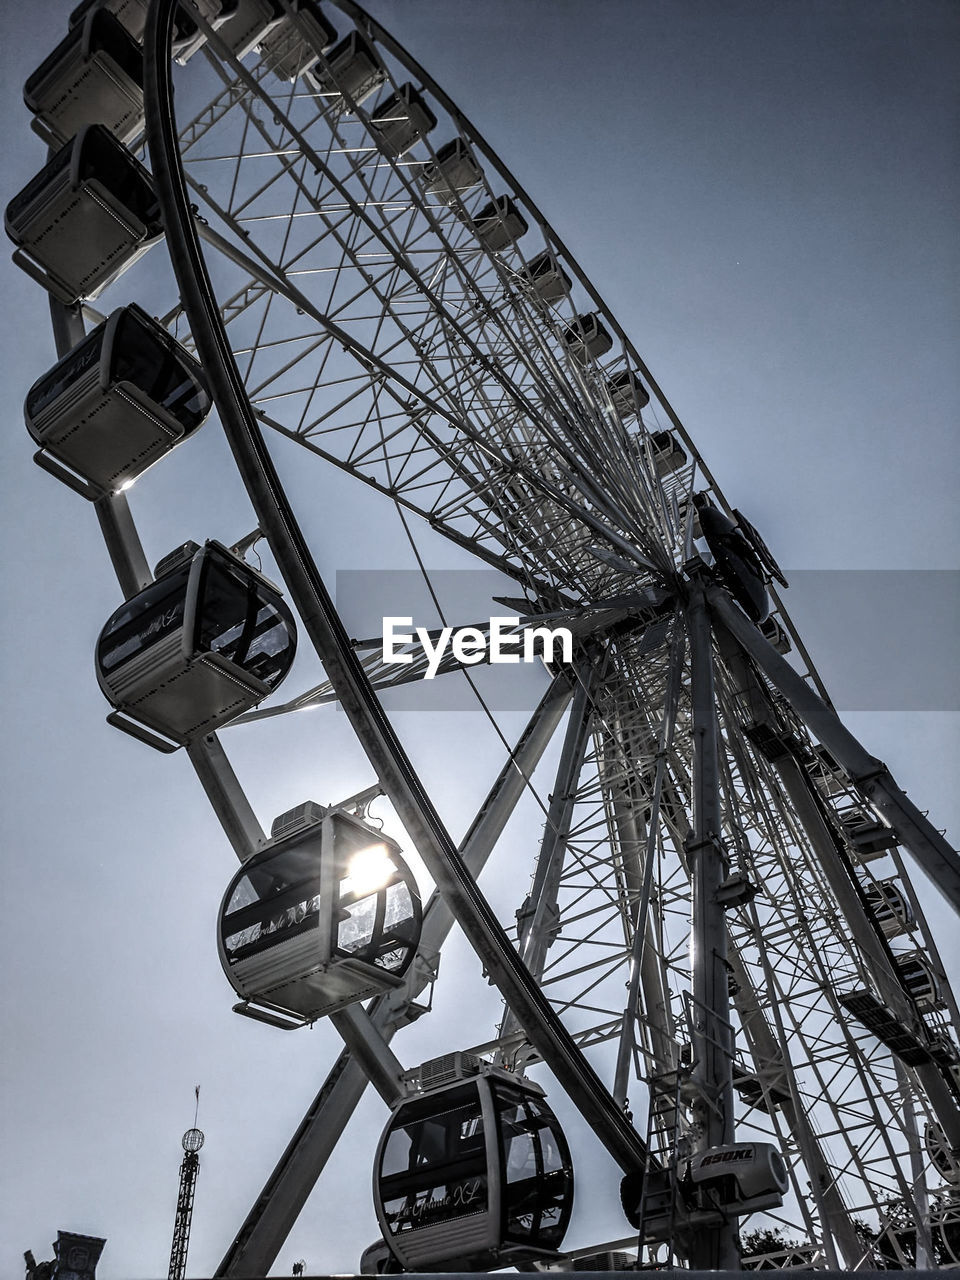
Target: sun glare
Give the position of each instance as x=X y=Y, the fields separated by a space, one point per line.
x=370 y=869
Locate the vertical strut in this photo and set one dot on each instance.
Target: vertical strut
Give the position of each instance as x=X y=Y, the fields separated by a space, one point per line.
x=645 y=967
x=536 y=919
x=712 y=1034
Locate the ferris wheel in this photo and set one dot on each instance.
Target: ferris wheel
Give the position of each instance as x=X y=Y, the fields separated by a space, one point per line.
x=717 y=950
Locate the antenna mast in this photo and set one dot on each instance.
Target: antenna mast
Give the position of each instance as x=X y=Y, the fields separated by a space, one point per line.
x=191 y=1141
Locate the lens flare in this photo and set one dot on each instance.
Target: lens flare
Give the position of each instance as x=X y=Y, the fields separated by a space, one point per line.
x=370 y=869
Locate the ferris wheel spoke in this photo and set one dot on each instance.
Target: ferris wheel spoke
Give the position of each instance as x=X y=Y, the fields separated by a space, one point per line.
x=383 y=304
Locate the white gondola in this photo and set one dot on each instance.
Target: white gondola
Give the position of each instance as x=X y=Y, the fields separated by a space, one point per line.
x=402 y=120
x=88 y=214
x=453 y=172
x=500 y=224
x=93 y=76
x=920 y=980
x=210 y=638
x=669 y=454
x=118 y=401
x=742 y=1177
x=627 y=393
x=326 y=915
x=377 y=1260
x=587 y=338
x=890 y=908
x=350 y=73
x=474 y=1175
x=733 y=1180
x=941 y=1156
x=249 y=24
x=775 y=633
x=297 y=41
x=868 y=836
x=131 y=14
x=545 y=277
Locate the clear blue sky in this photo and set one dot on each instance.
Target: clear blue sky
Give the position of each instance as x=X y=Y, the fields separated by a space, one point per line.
x=766 y=197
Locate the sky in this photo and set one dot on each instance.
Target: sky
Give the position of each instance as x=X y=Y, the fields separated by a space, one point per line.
x=765 y=197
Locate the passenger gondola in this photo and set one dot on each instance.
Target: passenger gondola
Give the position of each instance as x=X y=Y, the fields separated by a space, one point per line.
x=628 y=393
x=327 y=914
x=94 y=75
x=669 y=454
x=500 y=224
x=350 y=72
x=121 y=399
x=402 y=119
x=890 y=907
x=87 y=215
x=771 y=630
x=587 y=337
x=452 y=173
x=251 y=22
x=546 y=278
x=210 y=638
x=297 y=41
x=473 y=1175
x=188 y=36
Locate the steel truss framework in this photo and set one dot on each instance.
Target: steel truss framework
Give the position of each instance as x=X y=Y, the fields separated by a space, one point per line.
x=705 y=909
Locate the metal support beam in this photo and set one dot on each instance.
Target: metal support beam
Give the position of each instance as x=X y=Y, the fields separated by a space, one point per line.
x=227 y=798
x=123 y=543
x=870 y=776
x=116 y=524
x=646 y=969
x=767 y=1056
x=875 y=955
x=712 y=1035
x=370 y=1049
x=537 y=917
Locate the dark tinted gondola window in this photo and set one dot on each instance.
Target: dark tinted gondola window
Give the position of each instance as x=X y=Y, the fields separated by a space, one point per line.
x=146 y=619
x=280 y=911
x=435 y=1166
x=537 y=1176
x=401 y=928
x=237 y=619
x=66 y=371
x=104 y=158
x=141 y=357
